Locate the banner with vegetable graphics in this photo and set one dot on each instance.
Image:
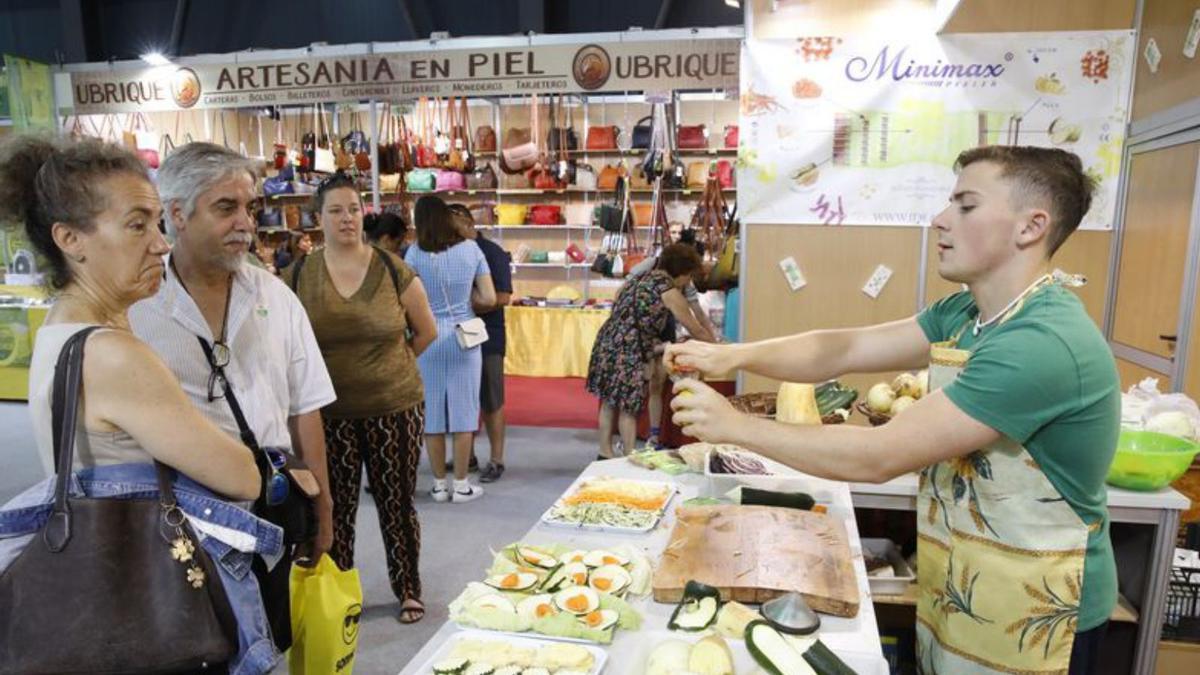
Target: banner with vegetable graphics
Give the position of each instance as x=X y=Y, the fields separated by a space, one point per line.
x=853 y=131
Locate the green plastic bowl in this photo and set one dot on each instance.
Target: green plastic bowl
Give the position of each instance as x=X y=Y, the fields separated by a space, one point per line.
x=1147 y=460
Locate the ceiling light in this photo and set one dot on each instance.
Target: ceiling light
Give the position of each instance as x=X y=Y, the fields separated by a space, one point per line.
x=736 y=4
x=156 y=59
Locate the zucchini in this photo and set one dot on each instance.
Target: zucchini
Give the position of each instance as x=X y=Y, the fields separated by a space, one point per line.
x=834 y=395
x=450 y=666
x=787 y=500
x=698 y=608
x=711 y=656
x=557 y=579
x=780 y=654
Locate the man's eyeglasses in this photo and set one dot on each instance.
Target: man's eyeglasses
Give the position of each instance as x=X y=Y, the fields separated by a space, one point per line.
x=277 y=484
x=218 y=358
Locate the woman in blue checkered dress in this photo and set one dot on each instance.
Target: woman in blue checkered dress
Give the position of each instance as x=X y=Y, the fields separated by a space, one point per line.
x=455 y=275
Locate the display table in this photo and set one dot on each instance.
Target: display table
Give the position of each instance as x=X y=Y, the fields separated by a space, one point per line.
x=857 y=637
x=550 y=341
x=1143 y=534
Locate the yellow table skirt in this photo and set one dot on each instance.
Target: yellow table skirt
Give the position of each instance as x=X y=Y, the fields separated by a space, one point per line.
x=550 y=341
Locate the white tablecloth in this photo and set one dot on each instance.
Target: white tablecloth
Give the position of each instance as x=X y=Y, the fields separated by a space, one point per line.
x=856 y=640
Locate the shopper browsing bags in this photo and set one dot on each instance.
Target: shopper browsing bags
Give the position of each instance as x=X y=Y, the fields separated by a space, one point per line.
x=362 y=300
x=241 y=344
x=92 y=213
x=491 y=386
x=1013 y=442
x=388 y=231
x=627 y=342
x=457 y=277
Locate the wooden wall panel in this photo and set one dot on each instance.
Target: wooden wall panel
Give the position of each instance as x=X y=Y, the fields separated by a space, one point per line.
x=1086 y=252
x=1131 y=373
x=1013 y=16
x=1157 y=217
x=1191 y=379
x=836 y=261
x=1178 y=78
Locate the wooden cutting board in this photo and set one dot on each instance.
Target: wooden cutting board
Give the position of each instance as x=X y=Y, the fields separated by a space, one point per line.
x=755 y=553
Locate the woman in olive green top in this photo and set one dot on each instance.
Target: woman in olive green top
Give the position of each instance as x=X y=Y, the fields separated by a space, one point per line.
x=361 y=301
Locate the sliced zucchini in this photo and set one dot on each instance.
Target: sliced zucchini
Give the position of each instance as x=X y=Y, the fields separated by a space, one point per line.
x=450 y=666
x=781 y=654
x=698 y=608
x=479 y=668
x=557 y=580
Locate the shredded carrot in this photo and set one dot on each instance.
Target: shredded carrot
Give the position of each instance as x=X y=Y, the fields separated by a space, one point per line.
x=589 y=496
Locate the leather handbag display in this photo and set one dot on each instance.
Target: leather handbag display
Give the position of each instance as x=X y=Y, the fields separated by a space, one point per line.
x=615 y=217
x=545 y=214
x=361 y=147
x=483 y=179
x=693 y=137
x=541 y=178
x=575 y=254
x=538 y=256
x=421 y=180
x=510 y=214
x=484 y=214
x=447 y=180
x=560 y=137
x=731 y=136
x=641 y=133
x=107 y=572
x=585 y=177
x=485 y=139
x=725 y=174
x=697 y=175
x=642 y=212
x=609 y=177
x=323 y=159
x=580 y=213
x=602 y=138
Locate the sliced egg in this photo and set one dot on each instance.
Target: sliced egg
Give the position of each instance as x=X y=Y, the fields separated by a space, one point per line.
x=601 y=619
x=610 y=579
x=574 y=557
x=536 y=607
x=536 y=558
x=600 y=558
x=576 y=574
x=578 y=600
x=515 y=581
x=494 y=601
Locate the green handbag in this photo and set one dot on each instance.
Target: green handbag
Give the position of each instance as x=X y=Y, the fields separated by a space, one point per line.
x=539 y=256
x=421 y=180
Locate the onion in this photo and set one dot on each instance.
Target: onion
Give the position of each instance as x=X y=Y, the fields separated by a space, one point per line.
x=901 y=404
x=907 y=384
x=880 y=398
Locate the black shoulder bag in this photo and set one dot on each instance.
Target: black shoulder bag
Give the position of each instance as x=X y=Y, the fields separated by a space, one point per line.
x=111 y=585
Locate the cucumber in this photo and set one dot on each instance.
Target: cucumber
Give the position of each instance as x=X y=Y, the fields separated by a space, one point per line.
x=450 y=666
x=698 y=608
x=834 y=395
x=781 y=654
x=787 y=500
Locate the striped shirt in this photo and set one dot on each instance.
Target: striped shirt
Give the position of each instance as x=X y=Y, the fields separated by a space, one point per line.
x=275 y=367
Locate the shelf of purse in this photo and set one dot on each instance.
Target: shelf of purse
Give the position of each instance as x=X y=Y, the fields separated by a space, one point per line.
x=506 y=191
x=718 y=152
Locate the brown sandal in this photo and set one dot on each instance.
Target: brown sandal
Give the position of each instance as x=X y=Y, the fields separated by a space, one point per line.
x=411 y=611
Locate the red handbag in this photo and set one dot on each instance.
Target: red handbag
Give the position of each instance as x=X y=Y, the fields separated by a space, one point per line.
x=545 y=214
x=731 y=136
x=485 y=139
x=541 y=179
x=725 y=173
x=601 y=138
x=694 y=137
x=576 y=254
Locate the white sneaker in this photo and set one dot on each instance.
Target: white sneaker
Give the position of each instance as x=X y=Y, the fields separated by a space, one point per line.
x=440 y=494
x=473 y=492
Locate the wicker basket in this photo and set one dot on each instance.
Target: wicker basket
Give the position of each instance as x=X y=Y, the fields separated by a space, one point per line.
x=762 y=404
x=876 y=419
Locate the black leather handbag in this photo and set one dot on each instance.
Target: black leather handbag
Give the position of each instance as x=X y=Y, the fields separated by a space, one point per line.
x=110 y=585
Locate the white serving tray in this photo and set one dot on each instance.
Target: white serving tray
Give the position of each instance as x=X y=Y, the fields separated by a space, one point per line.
x=673 y=490
x=520 y=641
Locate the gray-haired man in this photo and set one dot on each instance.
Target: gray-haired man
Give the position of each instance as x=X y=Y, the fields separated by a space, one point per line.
x=258 y=343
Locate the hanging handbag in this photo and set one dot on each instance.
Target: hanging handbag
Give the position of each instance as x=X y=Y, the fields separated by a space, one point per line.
x=521 y=151
x=545 y=214
x=725 y=175
x=641 y=133
x=602 y=138
x=362 y=154
x=387 y=161
x=510 y=214
x=462 y=137
x=541 y=178
x=585 y=177
x=425 y=156
x=484 y=214
x=692 y=137
x=485 y=139
x=421 y=180
x=323 y=159
x=608 y=179
x=440 y=138
x=642 y=214
x=483 y=179
x=724 y=274
x=615 y=217
x=560 y=137
x=731 y=136
x=403 y=146
x=456 y=159
x=122 y=584
x=342 y=159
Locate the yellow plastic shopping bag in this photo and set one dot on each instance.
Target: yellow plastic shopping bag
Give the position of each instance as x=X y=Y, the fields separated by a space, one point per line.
x=326 y=607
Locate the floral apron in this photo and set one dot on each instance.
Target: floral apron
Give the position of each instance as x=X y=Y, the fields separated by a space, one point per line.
x=1000 y=553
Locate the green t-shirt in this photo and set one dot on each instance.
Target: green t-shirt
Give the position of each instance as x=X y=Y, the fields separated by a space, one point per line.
x=1046 y=378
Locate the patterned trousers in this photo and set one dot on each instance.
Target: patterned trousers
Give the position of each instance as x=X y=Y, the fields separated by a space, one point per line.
x=390 y=447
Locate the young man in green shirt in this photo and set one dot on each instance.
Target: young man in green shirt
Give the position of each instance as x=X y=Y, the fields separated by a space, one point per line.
x=1013 y=441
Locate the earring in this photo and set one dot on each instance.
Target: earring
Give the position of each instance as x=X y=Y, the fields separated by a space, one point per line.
x=81 y=259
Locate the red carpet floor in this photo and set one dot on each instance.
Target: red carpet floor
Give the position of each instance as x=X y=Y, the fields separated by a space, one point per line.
x=548 y=402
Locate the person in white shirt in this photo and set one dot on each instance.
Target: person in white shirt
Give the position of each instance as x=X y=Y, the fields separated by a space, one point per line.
x=261 y=343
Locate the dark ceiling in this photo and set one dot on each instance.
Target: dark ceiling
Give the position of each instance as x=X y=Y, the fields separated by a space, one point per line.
x=99 y=30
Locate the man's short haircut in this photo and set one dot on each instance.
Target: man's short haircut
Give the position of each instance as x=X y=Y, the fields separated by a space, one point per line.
x=1053 y=178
